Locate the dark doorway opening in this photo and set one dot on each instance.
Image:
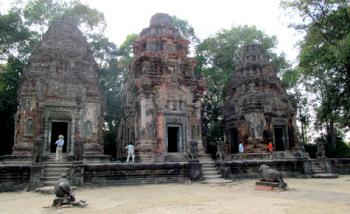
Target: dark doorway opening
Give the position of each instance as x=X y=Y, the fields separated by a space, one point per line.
x=59 y=128
x=173 y=139
x=234 y=140
x=279 y=138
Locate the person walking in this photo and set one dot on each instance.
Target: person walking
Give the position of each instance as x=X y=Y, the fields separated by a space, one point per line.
x=131 y=152
x=59 y=145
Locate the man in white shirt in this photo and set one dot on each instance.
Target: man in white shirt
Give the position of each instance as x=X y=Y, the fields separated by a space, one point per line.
x=59 y=145
x=241 y=147
x=131 y=152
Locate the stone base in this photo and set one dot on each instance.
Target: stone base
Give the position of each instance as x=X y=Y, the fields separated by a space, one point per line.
x=270 y=186
x=96 y=158
x=59 y=201
x=263 y=156
x=325 y=175
x=16 y=159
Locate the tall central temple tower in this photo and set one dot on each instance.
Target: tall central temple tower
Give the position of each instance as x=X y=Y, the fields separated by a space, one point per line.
x=161 y=101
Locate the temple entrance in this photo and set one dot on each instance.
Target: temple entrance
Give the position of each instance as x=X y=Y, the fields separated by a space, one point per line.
x=279 y=138
x=59 y=128
x=234 y=140
x=173 y=139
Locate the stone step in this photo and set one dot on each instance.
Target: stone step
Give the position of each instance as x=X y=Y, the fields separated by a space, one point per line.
x=53 y=174
x=57 y=165
x=216 y=181
x=325 y=175
x=316 y=167
x=206 y=173
x=49 y=183
x=56 y=170
x=51 y=178
x=210 y=170
x=211 y=176
x=208 y=167
x=207 y=163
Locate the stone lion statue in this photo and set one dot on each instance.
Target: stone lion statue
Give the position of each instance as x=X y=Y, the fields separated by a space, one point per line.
x=63 y=192
x=270 y=175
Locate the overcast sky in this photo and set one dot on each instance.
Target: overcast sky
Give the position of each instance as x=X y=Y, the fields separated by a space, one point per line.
x=206 y=16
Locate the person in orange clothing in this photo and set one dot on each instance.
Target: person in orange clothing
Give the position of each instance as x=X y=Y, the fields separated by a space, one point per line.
x=269 y=147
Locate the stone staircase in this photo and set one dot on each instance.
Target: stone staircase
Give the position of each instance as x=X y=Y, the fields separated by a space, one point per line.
x=210 y=174
x=52 y=172
x=319 y=172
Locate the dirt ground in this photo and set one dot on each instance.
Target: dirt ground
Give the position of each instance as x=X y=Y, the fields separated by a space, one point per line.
x=304 y=196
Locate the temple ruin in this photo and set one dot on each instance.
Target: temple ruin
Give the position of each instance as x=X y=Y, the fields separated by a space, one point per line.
x=60 y=94
x=258 y=110
x=161 y=101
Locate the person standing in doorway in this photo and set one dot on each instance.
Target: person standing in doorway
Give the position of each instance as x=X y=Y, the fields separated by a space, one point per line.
x=59 y=145
x=131 y=152
x=240 y=147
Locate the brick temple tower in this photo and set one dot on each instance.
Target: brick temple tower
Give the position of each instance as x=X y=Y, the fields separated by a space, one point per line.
x=258 y=110
x=161 y=102
x=60 y=94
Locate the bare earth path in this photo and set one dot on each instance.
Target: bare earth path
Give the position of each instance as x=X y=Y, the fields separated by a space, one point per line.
x=305 y=196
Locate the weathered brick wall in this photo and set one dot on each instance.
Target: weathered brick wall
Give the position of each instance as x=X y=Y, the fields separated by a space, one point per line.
x=14 y=177
x=340 y=165
x=135 y=173
x=250 y=168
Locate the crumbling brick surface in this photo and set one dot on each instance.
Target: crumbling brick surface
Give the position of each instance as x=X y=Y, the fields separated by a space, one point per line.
x=161 y=92
x=60 y=85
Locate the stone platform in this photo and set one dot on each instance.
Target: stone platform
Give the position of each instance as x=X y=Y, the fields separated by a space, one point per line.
x=325 y=175
x=270 y=186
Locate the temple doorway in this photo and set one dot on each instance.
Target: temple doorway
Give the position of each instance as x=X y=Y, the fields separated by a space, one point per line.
x=59 y=128
x=173 y=139
x=279 y=138
x=234 y=140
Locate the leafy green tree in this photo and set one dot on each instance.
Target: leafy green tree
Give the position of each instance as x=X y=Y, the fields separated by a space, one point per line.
x=325 y=58
x=9 y=80
x=186 y=30
x=13 y=33
x=216 y=57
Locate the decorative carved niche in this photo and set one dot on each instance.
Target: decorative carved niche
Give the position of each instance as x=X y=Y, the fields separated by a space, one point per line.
x=88 y=128
x=29 y=127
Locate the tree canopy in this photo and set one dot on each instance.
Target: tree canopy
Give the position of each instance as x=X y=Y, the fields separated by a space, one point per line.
x=324 y=59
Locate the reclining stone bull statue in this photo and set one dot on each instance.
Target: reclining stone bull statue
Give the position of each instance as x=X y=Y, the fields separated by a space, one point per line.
x=63 y=192
x=270 y=175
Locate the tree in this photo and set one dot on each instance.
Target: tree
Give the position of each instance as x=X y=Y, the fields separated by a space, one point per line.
x=9 y=80
x=13 y=33
x=216 y=57
x=324 y=58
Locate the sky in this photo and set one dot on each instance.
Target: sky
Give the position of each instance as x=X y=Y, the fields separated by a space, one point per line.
x=206 y=16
